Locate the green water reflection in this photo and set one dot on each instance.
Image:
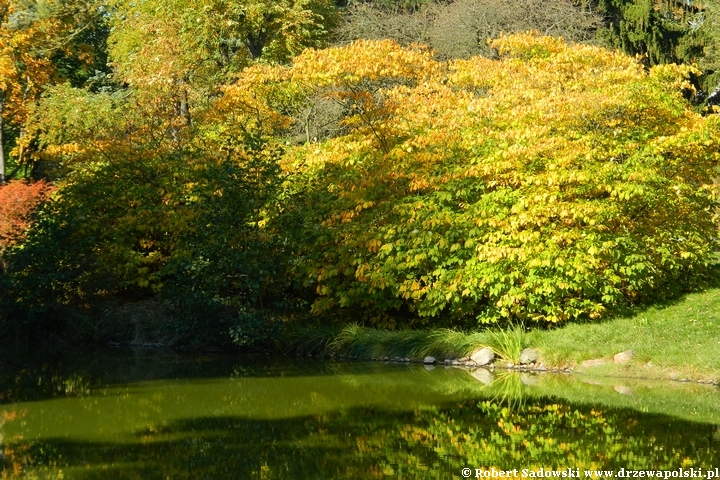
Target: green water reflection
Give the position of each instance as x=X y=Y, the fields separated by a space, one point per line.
x=159 y=415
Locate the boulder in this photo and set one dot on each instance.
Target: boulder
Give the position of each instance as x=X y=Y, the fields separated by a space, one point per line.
x=595 y=362
x=529 y=355
x=483 y=356
x=429 y=360
x=623 y=357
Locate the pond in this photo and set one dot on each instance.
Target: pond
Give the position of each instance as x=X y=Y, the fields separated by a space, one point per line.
x=141 y=414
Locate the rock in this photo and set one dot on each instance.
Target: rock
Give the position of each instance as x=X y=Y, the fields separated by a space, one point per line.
x=623 y=357
x=623 y=390
x=449 y=361
x=595 y=362
x=464 y=359
x=483 y=356
x=429 y=360
x=483 y=375
x=529 y=355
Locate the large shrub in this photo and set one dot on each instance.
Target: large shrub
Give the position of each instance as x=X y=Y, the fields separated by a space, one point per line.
x=554 y=184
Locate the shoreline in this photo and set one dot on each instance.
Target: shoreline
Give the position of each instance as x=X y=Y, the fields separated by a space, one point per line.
x=631 y=372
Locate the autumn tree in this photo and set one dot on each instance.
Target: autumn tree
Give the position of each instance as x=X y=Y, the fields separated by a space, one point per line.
x=192 y=46
x=557 y=183
x=42 y=43
x=18 y=200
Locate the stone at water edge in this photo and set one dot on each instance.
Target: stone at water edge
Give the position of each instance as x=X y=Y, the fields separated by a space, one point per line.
x=623 y=357
x=429 y=360
x=483 y=356
x=529 y=355
x=595 y=362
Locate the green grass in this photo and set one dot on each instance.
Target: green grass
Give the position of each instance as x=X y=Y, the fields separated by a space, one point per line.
x=679 y=340
x=682 y=339
x=308 y=341
x=363 y=342
x=357 y=341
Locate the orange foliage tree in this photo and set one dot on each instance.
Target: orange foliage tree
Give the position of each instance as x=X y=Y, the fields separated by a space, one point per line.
x=32 y=37
x=18 y=200
x=556 y=183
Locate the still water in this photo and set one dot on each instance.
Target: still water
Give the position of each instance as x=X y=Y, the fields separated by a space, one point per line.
x=141 y=414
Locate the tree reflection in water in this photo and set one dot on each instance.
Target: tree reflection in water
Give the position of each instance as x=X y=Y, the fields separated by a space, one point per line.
x=322 y=420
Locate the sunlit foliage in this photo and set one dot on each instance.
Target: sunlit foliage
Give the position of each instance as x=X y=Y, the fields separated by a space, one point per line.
x=557 y=183
x=42 y=43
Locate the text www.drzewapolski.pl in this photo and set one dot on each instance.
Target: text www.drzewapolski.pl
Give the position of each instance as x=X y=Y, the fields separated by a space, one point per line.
x=704 y=473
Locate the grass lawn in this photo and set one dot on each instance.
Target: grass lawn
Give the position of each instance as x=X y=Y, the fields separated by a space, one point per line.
x=681 y=340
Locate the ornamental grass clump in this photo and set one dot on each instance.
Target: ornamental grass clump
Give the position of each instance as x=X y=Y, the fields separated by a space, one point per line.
x=508 y=344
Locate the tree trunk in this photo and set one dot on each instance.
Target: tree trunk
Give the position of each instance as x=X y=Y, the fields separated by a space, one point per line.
x=184 y=108
x=256 y=43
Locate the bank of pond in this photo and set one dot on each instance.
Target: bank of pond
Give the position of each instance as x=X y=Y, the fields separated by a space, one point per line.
x=141 y=413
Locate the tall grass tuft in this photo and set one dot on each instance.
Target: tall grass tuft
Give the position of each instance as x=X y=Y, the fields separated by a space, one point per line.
x=357 y=341
x=364 y=342
x=450 y=343
x=308 y=341
x=509 y=343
